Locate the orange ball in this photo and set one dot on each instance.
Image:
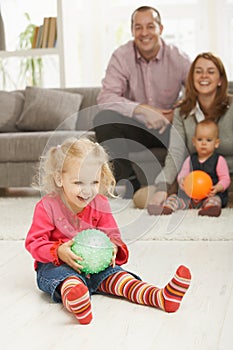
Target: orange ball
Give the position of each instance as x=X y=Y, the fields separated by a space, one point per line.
x=197 y=184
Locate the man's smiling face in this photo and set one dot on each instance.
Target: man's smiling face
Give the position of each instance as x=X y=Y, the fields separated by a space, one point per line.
x=146 y=32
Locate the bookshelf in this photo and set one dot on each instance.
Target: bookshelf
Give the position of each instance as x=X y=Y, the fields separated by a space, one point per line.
x=58 y=50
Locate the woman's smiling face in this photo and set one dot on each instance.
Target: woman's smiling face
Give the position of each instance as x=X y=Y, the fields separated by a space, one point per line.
x=206 y=77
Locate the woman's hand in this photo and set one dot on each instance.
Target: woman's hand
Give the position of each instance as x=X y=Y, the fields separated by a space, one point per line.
x=158 y=198
x=114 y=254
x=67 y=256
x=155 y=205
x=169 y=114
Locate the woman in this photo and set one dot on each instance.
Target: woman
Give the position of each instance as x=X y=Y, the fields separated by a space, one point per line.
x=205 y=98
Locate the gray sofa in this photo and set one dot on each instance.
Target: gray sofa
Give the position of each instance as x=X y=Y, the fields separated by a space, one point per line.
x=33 y=119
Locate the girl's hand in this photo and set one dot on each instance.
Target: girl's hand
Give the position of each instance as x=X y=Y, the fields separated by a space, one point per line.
x=113 y=261
x=67 y=256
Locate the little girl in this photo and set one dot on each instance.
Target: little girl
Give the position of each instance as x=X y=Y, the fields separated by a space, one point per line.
x=75 y=176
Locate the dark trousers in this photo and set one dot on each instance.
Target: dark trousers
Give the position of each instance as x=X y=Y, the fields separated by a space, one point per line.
x=121 y=135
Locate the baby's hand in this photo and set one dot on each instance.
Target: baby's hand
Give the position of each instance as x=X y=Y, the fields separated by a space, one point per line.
x=215 y=189
x=181 y=183
x=114 y=253
x=67 y=256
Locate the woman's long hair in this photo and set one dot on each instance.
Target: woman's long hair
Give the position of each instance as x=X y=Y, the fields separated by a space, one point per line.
x=221 y=102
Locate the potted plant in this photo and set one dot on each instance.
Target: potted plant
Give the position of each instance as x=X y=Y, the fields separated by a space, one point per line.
x=30 y=67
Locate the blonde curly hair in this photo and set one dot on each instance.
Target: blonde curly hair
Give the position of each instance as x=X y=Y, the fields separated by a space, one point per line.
x=54 y=161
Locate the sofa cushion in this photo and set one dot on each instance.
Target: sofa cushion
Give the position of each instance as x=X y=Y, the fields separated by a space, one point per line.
x=47 y=109
x=29 y=146
x=11 y=106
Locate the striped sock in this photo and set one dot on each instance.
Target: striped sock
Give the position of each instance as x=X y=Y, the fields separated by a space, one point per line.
x=174 y=203
x=212 y=206
x=167 y=298
x=76 y=299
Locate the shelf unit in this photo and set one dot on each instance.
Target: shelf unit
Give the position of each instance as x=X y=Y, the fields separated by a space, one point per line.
x=40 y=52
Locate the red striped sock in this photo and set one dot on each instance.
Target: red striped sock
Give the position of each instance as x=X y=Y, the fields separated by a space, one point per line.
x=174 y=291
x=167 y=298
x=76 y=299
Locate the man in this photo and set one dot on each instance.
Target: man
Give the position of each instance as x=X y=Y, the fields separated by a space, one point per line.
x=142 y=84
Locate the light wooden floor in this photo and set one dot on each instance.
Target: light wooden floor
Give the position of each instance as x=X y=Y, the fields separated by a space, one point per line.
x=29 y=320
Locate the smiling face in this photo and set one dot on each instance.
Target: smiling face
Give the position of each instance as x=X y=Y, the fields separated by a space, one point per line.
x=146 y=32
x=80 y=182
x=206 y=77
x=206 y=140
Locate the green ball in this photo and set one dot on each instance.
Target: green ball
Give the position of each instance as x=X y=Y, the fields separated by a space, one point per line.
x=95 y=248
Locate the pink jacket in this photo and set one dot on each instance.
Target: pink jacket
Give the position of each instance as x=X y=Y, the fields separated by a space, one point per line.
x=53 y=224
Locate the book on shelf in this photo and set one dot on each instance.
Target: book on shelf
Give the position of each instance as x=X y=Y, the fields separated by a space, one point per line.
x=39 y=37
x=45 y=35
x=45 y=32
x=34 y=39
x=52 y=32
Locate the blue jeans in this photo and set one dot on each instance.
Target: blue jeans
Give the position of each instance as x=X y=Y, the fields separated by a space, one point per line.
x=49 y=278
